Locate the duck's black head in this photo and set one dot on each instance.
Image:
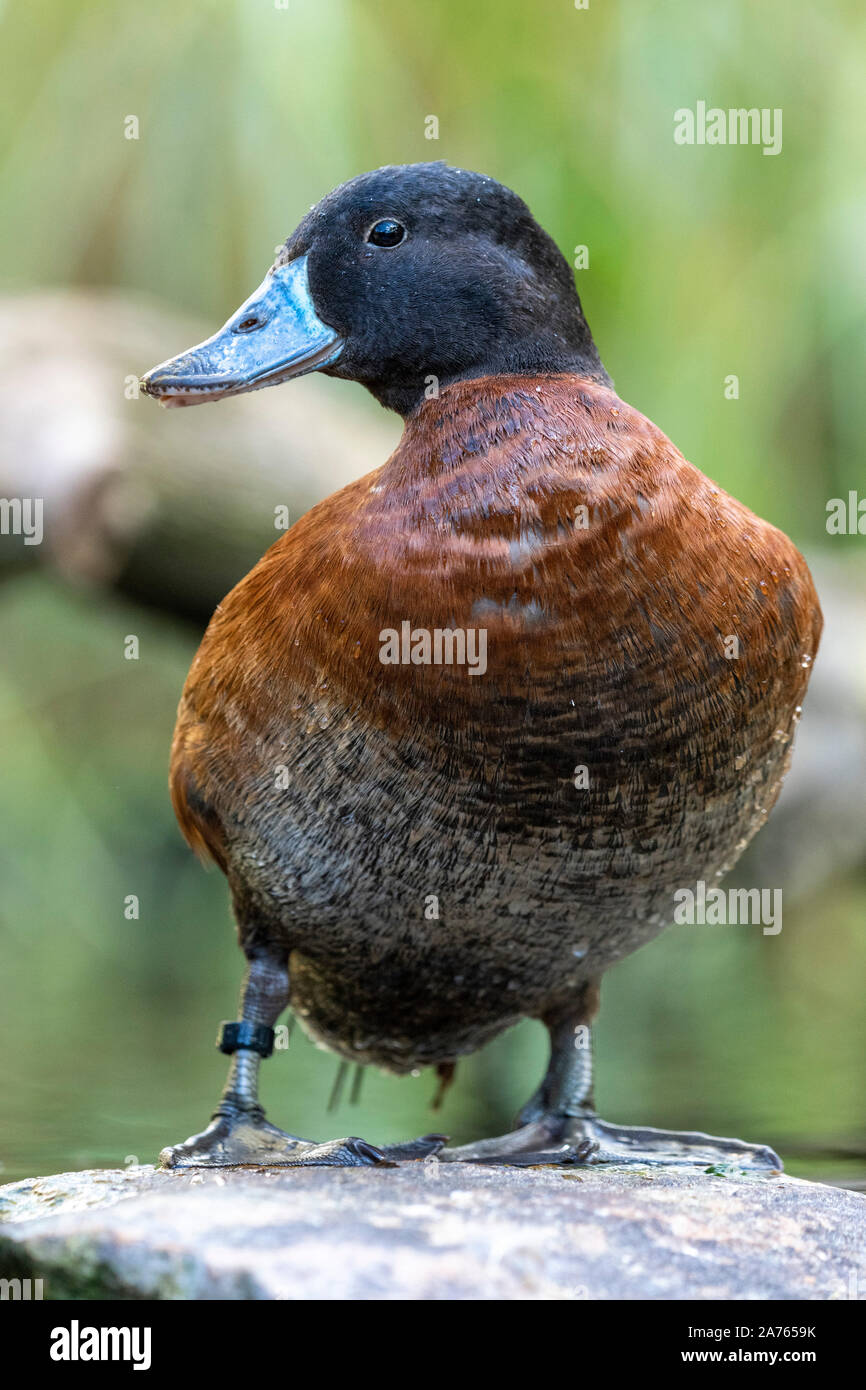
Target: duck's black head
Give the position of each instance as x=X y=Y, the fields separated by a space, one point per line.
x=404 y=279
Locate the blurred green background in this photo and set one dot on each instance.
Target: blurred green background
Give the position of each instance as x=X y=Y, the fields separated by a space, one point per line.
x=702 y=262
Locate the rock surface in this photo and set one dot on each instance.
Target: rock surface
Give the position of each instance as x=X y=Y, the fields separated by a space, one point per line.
x=424 y=1231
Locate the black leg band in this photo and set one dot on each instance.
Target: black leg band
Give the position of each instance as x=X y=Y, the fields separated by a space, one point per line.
x=255 y=1036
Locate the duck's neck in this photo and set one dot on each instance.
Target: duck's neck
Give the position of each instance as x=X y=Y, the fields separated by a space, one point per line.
x=503 y=423
x=545 y=354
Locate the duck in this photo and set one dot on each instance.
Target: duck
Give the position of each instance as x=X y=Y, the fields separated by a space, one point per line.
x=424 y=847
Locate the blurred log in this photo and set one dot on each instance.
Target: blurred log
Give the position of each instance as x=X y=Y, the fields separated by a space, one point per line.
x=171 y=507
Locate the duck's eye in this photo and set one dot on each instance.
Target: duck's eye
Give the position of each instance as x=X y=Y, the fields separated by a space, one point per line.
x=387 y=232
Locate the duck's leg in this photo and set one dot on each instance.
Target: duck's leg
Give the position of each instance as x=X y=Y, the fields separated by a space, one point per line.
x=238 y=1133
x=560 y=1126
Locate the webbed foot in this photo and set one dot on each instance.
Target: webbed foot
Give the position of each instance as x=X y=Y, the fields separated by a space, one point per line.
x=242 y=1139
x=569 y=1140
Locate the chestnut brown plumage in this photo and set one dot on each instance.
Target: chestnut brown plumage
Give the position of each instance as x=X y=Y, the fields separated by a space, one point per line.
x=423 y=854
